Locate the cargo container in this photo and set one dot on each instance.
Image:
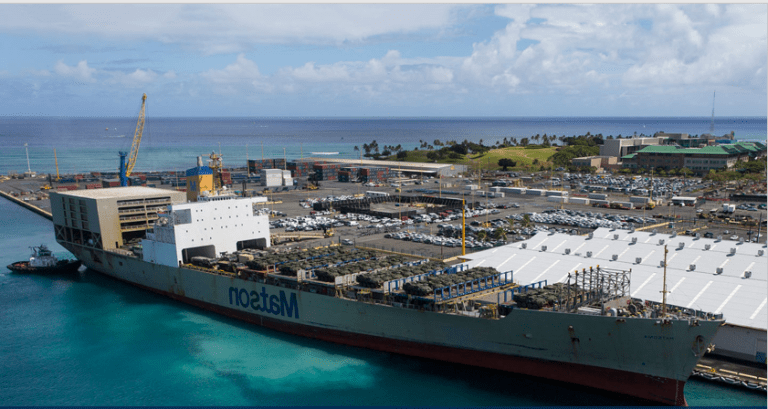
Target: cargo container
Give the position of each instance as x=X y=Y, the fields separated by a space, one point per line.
x=534 y=192
x=561 y=193
x=515 y=190
x=598 y=196
x=557 y=199
x=579 y=200
x=110 y=182
x=624 y=204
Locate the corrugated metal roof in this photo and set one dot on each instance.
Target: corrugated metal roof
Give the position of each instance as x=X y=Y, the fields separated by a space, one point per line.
x=741 y=300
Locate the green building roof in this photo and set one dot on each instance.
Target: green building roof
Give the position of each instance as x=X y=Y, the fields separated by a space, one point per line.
x=724 y=149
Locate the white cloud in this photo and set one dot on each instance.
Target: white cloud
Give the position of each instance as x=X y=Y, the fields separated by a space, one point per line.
x=731 y=52
x=79 y=72
x=243 y=72
x=230 y=28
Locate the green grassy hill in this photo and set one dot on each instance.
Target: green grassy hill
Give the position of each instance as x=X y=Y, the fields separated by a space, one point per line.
x=489 y=160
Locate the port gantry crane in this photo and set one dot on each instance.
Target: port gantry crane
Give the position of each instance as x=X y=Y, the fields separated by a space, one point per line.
x=127 y=167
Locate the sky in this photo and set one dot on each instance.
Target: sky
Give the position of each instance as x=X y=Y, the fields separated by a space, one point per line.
x=383 y=60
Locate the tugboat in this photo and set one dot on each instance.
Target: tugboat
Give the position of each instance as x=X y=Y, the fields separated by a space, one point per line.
x=42 y=261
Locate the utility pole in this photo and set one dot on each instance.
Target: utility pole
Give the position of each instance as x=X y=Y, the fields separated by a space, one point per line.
x=664 y=291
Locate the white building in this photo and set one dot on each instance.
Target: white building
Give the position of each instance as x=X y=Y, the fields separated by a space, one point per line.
x=207 y=228
x=712 y=275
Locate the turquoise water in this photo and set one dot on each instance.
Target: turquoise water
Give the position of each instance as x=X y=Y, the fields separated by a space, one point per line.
x=91 y=340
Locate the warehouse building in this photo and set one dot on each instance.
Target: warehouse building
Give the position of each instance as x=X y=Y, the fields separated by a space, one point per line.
x=699 y=160
x=712 y=275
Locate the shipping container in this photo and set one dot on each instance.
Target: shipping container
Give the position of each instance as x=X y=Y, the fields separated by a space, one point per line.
x=557 y=199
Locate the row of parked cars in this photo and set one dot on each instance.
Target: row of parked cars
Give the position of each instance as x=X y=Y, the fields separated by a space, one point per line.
x=634 y=185
x=586 y=220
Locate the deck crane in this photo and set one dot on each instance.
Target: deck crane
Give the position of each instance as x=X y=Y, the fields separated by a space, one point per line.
x=127 y=167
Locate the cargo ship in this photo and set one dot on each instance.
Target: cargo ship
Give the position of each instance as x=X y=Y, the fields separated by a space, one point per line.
x=592 y=333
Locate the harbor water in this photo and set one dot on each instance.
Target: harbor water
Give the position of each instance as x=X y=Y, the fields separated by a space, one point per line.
x=91 y=340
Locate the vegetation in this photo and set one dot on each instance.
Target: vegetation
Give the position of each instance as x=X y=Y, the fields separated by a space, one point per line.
x=506 y=163
x=537 y=153
x=564 y=156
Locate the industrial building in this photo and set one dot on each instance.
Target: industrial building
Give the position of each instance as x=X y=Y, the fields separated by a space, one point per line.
x=406 y=168
x=699 y=160
x=595 y=161
x=713 y=275
x=626 y=146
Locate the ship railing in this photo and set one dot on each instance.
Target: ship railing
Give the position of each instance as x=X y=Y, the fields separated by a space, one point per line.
x=473 y=286
x=509 y=295
x=142 y=217
x=682 y=311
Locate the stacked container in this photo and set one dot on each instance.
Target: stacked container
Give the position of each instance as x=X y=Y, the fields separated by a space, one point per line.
x=278 y=163
x=374 y=174
x=349 y=173
x=226 y=177
x=287 y=179
x=271 y=177
x=256 y=165
x=301 y=167
x=327 y=171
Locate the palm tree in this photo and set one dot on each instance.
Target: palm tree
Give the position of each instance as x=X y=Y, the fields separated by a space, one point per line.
x=482 y=235
x=526 y=221
x=500 y=234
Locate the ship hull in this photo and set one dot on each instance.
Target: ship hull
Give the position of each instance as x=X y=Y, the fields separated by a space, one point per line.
x=634 y=357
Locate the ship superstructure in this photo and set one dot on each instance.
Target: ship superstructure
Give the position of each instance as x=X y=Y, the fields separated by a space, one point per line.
x=593 y=333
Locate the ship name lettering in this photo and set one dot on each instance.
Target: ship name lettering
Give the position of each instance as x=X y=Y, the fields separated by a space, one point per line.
x=659 y=337
x=269 y=303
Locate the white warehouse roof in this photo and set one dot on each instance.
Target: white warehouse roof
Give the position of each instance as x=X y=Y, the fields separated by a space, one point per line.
x=741 y=300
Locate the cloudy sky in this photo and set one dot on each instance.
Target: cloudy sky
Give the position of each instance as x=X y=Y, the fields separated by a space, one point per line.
x=348 y=60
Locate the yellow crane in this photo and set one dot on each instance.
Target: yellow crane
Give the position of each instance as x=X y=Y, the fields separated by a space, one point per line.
x=127 y=167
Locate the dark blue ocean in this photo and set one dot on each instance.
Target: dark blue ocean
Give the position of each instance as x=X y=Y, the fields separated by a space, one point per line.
x=92 y=144
x=90 y=340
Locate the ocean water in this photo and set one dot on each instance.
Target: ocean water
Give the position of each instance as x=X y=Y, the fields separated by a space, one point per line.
x=92 y=340
x=92 y=144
